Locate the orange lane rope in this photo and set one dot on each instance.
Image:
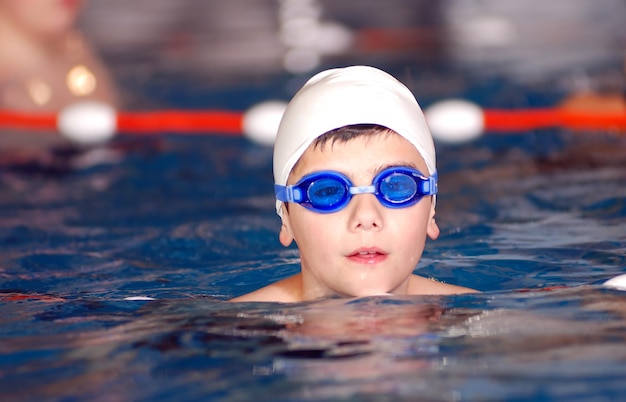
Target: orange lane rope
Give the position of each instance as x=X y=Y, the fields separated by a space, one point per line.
x=530 y=119
x=198 y=122
x=230 y=122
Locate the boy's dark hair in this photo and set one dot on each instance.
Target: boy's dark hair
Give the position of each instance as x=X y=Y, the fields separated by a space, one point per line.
x=347 y=133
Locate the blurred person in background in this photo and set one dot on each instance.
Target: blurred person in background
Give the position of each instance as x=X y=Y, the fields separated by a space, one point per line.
x=45 y=65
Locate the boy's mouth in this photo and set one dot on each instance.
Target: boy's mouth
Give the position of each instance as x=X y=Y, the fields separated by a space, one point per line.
x=370 y=255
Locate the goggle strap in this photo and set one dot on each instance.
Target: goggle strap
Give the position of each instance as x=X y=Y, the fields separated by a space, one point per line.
x=429 y=187
x=287 y=193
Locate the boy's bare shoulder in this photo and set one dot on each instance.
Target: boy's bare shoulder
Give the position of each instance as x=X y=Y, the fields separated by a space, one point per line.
x=287 y=290
x=426 y=286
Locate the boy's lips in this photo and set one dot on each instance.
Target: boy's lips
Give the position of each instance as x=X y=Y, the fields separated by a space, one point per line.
x=367 y=255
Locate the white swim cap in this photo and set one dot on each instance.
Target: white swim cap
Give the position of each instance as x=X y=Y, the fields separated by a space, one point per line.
x=345 y=96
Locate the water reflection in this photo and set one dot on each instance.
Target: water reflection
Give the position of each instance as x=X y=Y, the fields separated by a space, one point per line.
x=432 y=347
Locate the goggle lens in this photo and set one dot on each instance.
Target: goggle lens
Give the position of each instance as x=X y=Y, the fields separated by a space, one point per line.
x=326 y=193
x=398 y=187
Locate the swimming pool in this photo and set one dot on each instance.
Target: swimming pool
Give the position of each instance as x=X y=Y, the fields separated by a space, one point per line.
x=115 y=276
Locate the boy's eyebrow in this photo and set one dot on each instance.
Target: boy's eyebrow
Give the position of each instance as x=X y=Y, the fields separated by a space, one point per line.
x=392 y=165
x=378 y=169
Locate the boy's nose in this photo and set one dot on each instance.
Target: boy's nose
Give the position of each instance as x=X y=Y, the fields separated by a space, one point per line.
x=365 y=213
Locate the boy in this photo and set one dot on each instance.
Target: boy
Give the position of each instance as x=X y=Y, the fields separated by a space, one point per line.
x=354 y=165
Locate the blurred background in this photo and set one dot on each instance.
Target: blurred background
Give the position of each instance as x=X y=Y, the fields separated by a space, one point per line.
x=151 y=53
x=573 y=44
x=210 y=54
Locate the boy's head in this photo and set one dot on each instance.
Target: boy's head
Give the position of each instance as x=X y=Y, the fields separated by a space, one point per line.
x=354 y=154
x=348 y=96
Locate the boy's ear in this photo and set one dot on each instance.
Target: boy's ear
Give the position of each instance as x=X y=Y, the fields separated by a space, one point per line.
x=285 y=236
x=432 y=230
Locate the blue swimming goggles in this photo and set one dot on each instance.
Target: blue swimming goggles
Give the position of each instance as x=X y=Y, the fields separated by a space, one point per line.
x=329 y=191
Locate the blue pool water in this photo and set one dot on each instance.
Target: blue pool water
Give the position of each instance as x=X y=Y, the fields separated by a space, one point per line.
x=534 y=220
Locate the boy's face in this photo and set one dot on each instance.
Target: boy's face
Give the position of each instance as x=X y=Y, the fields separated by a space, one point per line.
x=365 y=248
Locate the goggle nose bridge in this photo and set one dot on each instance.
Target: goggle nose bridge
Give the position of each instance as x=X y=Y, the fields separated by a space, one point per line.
x=362 y=190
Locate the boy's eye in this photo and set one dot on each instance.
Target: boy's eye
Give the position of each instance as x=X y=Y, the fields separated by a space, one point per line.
x=398 y=187
x=326 y=191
